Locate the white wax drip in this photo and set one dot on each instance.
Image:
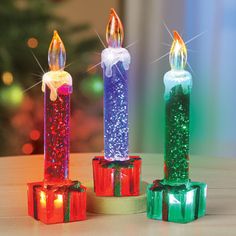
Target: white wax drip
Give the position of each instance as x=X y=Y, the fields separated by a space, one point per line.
x=54 y=80
x=111 y=56
x=177 y=77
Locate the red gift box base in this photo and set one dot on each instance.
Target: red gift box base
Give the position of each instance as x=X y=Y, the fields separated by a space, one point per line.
x=57 y=203
x=117 y=178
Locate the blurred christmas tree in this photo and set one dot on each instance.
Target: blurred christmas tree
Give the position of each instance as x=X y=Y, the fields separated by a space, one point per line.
x=26 y=26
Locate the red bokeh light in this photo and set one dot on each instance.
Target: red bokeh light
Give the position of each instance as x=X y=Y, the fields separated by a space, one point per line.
x=34 y=134
x=27 y=148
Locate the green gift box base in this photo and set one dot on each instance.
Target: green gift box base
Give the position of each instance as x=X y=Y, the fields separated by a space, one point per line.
x=181 y=204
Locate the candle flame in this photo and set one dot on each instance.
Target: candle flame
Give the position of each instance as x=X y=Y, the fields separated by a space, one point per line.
x=114 y=31
x=178 y=53
x=56 y=53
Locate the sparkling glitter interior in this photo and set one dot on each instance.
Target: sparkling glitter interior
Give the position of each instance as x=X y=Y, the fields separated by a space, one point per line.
x=56 y=135
x=176 y=157
x=116 y=129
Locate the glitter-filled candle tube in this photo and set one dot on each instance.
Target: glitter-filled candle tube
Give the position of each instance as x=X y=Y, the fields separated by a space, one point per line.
x=176 y=153
x=116 y=130
x=116 y=173
x=56 y=135
x=176 y=198
x=57 y=199
x=57 y=88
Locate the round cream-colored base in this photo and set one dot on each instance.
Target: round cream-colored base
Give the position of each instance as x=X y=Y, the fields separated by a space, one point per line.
x=117 y=205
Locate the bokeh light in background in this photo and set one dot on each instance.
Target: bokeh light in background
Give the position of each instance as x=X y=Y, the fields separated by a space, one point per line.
x=32 y=43
x=27 y=148
x=7 y=78
x=92 y=87
x=211 y=57
x=35 y=134
x=11 y=96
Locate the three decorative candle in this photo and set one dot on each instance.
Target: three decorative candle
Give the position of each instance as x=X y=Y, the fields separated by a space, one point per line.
x=57 y=199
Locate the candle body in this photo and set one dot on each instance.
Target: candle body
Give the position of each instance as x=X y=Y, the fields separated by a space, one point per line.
x=56 y=131
x=178 y=84
x=115 y=63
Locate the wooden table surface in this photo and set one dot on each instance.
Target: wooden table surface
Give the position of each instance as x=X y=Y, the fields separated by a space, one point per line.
x=218 y=173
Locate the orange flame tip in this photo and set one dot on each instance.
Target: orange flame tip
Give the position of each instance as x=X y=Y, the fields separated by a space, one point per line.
x=177 y=37
x=56 y=53
x=114 y=31
x=178 y=53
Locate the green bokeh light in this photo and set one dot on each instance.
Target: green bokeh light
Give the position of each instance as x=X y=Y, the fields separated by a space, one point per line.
x=92 y=87
x=11 y=96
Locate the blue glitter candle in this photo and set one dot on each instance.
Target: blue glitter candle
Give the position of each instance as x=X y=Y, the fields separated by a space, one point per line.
x=116 y=173
x=115 y=64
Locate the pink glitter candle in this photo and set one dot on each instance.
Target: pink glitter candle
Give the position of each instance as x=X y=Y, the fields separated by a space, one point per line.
x=57 y=85
x=57 y=199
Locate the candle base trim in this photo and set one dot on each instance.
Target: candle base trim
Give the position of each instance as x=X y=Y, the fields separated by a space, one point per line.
x=52 y=204
x=117 y=178
x=180 y=204
x=117 y=205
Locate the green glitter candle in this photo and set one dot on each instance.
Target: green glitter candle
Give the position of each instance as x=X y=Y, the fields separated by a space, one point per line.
x=178 y=84
x=177 y=96
x=176 y=198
